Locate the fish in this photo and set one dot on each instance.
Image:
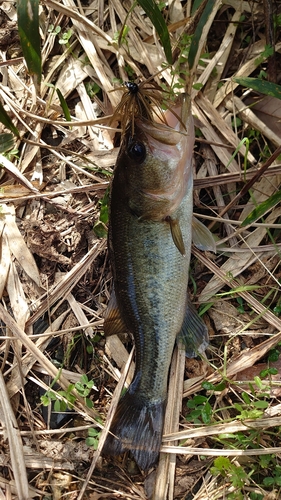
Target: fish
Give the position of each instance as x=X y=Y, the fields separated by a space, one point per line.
x=150 y=235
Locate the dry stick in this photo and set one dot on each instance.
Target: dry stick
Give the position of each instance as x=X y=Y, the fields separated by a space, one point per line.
x=68 y=281
x=270 y=40
x=165 y=474
x=110 y=415
x=245 y=360
x=184 y=450
x=213 y=180
x=41 y=358
x=219 y=123
x=233 y=283
x=72 y=14
x=50 y=432
x=15 y=442
x=230 y=427
x=222 y=179
x=11 y=62
x=248 y=358
x=250 y=183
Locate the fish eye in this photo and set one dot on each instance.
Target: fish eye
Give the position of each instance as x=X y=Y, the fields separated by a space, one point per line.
x=137 y=151
x=132 y=87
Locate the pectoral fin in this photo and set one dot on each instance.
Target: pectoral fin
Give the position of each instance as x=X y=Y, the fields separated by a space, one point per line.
x=113 y=322
x=194 y=333
x=176 y=234
x=202 y=236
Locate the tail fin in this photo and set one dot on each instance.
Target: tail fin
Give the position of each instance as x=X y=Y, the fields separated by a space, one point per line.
x=136 y=427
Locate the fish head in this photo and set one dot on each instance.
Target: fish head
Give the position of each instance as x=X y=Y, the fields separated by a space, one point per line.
x=155 y=164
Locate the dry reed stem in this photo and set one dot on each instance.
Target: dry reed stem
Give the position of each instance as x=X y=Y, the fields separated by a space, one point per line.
x=165 y=474
x=15 y=442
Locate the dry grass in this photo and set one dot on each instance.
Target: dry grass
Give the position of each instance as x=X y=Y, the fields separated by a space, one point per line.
x=55 y=279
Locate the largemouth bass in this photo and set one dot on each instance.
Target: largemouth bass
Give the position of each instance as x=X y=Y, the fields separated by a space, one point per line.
x=150 y=236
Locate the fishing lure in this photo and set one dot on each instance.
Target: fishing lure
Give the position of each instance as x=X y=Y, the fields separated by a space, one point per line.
x=140 y=100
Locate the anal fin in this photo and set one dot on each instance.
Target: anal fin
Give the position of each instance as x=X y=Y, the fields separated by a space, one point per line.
x=113 y=322
x=194 y=333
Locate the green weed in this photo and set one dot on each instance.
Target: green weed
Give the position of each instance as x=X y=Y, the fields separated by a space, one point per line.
x=93 y=438
x=235 y=475
x=240 y=475
x=65 y=399
x=100 y=228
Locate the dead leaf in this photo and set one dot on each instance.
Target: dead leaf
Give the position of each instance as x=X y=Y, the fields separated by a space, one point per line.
x=17 y=297
x=18 y=246
x=4 y=260
x=268 y=110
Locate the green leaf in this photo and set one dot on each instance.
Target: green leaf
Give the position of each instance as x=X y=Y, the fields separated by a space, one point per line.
x=151 y=9
x=211 y=387
x=64 y=106
x=260 y=404
x=28 y=24
x=100 y=230
x=104 y=214
x=272 y=371
x=6 y=120
x=222 y=464
x=268 y=481
x=238 y=477
x=265 y=460
x=196 y=413
x=6 y=142
x=197 y=400
x=220 y=387
x=60 y=405
x=273 y=355
x=246 y=398
x=227 y=435
x=45 y=400
x=70 y=388
x=89 y=403
x=262 y=208
x=207 y=413
x=268 y=371
x=93 y=432
x=264 y=373
x=278 y=480
x=238 y=407
x=197 y=86
x=198 y=32
x=238 y=289
x=195 y=6
x=262 y=86
x=89 y=349
x=84 y=379
x=93 y=442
